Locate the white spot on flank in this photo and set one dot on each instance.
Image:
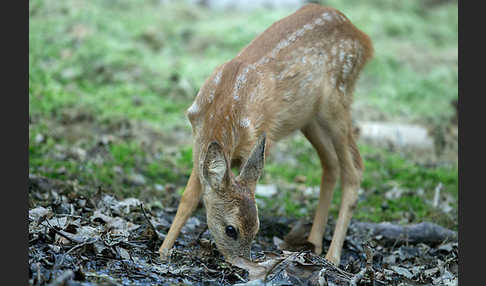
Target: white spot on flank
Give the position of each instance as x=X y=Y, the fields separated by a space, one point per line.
x=341 y=87
x=252 y=97
x=348 y=65
x=334 y=62
x=333 y=80
x=325 y=57
x=318 y=21
x=245 y=122
x=334 y=50
x=341 y=56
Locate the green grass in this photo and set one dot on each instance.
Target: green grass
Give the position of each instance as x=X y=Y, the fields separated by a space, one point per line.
x=96 y=66
x=383 y=171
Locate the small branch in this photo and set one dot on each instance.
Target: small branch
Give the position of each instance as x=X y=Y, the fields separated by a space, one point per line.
x=278 y=267
x=131 y=244
x=356 y=278
x=368 y=269
x=369 y=260
x=88 y=241
x=64 y=234
x=150 y=222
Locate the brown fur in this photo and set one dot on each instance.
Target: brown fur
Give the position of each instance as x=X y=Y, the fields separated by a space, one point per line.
x=249 y=214
x=299 y=74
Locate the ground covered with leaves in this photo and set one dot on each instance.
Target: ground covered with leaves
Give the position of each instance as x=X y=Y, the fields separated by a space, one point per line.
x=99 y=240
x=110 y=149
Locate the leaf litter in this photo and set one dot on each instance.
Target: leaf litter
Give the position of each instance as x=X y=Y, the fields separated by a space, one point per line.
x=100 y=240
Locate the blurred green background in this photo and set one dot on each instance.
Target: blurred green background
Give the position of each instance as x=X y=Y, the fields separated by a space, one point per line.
x=109 y=82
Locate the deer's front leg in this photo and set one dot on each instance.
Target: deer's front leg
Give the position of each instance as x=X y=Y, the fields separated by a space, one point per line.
x=189 y=201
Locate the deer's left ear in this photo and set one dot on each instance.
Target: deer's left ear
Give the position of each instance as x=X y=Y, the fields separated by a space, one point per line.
x=252 y=169
x=215 y=168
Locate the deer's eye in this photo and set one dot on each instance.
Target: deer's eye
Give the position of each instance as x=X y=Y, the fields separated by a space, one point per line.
x=231 y=232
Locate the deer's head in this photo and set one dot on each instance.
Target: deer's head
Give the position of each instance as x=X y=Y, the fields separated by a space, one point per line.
x=231 y=210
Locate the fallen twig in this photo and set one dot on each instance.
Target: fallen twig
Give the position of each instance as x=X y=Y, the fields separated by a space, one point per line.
x=367 y=269
x=150 y=222
x=356 y=278
x=88 y=241
x=64 y=234
x=279 y=267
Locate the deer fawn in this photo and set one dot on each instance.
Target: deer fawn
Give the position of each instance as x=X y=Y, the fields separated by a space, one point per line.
x=299 y=74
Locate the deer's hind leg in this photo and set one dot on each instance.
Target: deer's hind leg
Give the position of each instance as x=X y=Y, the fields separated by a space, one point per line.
x=331 y=135
x=350 y=165
x=324 y=146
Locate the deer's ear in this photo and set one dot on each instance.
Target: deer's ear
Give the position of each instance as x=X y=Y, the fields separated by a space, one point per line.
x=252 y=169
x=215 y=168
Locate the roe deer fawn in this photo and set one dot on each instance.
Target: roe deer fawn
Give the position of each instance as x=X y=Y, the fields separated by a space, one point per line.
x=299 y=74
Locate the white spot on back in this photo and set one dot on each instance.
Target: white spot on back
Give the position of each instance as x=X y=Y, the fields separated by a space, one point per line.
x=294 y=36
x=308 y=27
x=245 y=122
x=327 y=16
x=217 y=78
x=299 y=32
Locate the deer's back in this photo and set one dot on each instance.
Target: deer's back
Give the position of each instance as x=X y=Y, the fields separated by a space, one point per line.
x=308 y=59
